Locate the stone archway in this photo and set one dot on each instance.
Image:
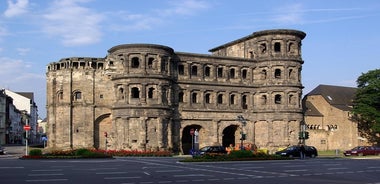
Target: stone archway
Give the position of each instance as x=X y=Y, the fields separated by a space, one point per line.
x=229 y=135
x=102 y=124
x=186 y=139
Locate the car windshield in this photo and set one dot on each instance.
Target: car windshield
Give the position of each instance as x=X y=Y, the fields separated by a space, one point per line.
x=204 y=148
x=291 y=148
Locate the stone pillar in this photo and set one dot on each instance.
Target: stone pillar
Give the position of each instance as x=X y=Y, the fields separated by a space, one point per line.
x=143 y=93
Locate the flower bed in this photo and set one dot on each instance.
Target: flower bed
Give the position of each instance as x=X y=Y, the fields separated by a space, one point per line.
x=92 y=153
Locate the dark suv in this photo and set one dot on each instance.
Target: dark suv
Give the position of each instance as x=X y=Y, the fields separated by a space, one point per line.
x=294 y=151
x=212 y=149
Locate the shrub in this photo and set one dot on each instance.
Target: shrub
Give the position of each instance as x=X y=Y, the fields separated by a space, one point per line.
x=35 y=152
x=82 y=152
x=241 y=154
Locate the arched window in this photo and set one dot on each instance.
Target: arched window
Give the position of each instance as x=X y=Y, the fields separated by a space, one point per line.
x=121 y=93
x=207 y=98
x=181 y=70
x=150 y=62
x=207 y=71
x=194 y=70
x=135 y=63
x=244 y=74
x=60 y=95
x=180 y=96
x=77 y=95
x=150 y=92
x=277 y=99
x=232 y=73
x=277 y=73
x=220 y=72
x=244 y=102
x=277 y=47
x=135 y=92
x=263 y=100
x=263 y=74
x=232 y=99
x=220 y=99
x=194 y=98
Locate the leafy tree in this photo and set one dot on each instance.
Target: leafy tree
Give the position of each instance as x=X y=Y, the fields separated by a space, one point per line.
x=366 y=110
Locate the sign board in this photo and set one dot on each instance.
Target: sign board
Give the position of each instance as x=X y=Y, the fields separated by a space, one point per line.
x=192 y=131
x=27 y=127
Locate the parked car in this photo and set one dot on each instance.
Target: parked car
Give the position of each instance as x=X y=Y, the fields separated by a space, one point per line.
x=2 y=150
x=362 y=151
x=294 y=151
x=212 y=149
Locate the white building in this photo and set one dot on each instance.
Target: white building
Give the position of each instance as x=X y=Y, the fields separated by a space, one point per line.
x=24 y=102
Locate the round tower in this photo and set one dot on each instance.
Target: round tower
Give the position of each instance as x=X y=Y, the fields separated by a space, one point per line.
x=142 y=84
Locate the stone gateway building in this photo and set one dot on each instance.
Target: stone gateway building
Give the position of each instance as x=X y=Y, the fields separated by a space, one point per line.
x=149 y=97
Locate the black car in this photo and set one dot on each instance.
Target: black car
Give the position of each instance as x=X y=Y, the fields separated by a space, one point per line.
x=2 y=150
x=294 y=151
x=212 y=149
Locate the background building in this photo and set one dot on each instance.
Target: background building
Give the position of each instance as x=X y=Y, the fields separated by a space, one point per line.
x=16 y=110
x=327 y=116
x=149 y=97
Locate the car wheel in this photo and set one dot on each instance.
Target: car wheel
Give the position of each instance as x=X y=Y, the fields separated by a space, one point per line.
x=290 y=156
x=312 y=156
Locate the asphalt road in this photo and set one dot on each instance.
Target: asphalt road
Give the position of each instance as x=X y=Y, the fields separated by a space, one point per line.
x=148 y=170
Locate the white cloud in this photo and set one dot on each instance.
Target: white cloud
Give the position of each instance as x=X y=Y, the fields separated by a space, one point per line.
x=23 y=51
x=187 y=7
x=16 y=8
x=291 y=14
x=72 y=23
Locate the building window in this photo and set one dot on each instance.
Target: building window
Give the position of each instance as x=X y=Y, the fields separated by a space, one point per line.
x=244 y=102
x=244 y=74
x=194 y=98
x=263 y=100
x=277 y=99
x=207 y=71
x=135 y=92
x=277 y=47
x=121 y=93
x=150 y=62
x=60 y=95
x=180 y=96
x=150 y=92
x=77 y=95
x=220 y=99
x=220 y=72
x=135 y=63
x=263 y=74
x=194 y=70
x=232 y=99
x=232 y=73
x=181 y=70
x=207 y=98
x=277 y=74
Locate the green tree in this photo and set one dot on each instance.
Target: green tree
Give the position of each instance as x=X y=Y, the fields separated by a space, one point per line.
x=366 y=110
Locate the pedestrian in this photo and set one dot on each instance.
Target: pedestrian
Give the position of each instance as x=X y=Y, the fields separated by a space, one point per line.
x=302 y=151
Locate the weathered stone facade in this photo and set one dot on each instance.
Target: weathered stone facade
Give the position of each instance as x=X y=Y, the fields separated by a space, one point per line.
x=148 y=97
x=328 y=118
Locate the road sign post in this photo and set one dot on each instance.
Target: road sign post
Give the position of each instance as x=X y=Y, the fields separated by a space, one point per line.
x=26 y=128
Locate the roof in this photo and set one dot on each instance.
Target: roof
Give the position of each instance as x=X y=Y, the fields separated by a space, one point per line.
x=310 y=110
x=337 y=96
x=29 y=95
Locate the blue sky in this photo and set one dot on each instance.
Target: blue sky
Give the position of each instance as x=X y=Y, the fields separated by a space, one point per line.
x=342 y=41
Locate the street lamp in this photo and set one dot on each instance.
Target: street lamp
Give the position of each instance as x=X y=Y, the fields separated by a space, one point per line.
x=243 y=122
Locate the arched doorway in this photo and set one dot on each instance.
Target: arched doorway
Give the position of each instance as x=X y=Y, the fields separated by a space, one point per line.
x=229 y=136
x=186 y=140
x=102 y=124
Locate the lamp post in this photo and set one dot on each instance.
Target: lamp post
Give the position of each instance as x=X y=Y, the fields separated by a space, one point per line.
x=243 y=122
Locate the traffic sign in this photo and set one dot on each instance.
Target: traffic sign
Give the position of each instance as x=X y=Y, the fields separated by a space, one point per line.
x=27 y=127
